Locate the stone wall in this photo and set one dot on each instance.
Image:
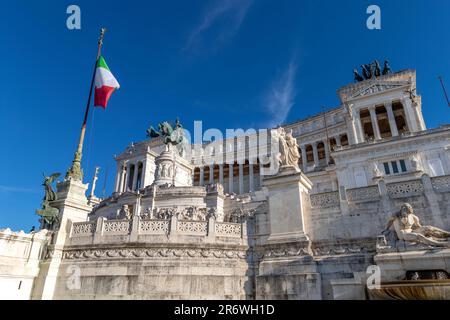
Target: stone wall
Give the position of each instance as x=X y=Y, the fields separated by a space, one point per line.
x=155 y=259
x=343 y=232
x=20 y=254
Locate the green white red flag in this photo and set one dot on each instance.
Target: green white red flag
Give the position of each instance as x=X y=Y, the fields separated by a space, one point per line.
x=105 y=84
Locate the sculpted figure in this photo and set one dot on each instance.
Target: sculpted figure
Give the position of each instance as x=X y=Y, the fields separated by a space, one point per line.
x=125 y=212
x=200 y=214
x=172 y=135
x=386 y=68
x=366 y=70
x=289 y=154
x=49 y=214
x=212 y=213
x=376 y=68
x=376 y=170
x=358 y=78
x=415 y=164
x=147 y=214
x=186 y=213
x=408 y=228
x=50 y=195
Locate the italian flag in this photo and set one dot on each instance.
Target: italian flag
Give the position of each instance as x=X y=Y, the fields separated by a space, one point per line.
x=105 y=84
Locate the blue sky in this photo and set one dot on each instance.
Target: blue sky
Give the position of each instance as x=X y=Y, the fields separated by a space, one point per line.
x=231 y=64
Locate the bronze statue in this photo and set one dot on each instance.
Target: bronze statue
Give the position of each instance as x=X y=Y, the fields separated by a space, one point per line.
x=50 y=195
x=376 y=68
x=358 y=78
x=178 y=124
x=366 y=71
x=371 y=71
x=387 y=68
x=49 y=214
x=165 y=130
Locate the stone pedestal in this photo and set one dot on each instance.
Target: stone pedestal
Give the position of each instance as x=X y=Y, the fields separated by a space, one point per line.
x=215 y=199
x=394 y=265
x=171 y=169
x=287 y=269
x=287 y=223
x=73 y=207
x=413 y=273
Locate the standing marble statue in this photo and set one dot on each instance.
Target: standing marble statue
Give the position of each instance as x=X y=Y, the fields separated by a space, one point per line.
x=288 y=146
x=408 y=228
x=376 y=170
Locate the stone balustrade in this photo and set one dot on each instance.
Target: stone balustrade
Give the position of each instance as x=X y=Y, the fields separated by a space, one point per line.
x=116 y=227
x=325 y=200
x=103 y=230
x=405 y=189
x=441 y=183
x=81 y=229
x=152 y=226
x=192 y=227
x=228 y=229
x=364 y=194
x=425 y=186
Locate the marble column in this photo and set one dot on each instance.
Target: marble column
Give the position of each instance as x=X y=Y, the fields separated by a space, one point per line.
x=251 y=186
x=352 y=138
x=416 y=107
x=144 y=176
x=304 y=158
x=241 y=178
x=315 y=154
x=202 y=177
x=411 y=119
x=338 y=140
x=326 y=145
x=221 y=174
x=119 y=177
x=230 y=179
x=211 y=174
x=374 y=120
x=391 y=118
x=362 y=138
x=123 y=181
x=261 y=177
x=334 y=185
x=135 y=175
x=127 y=178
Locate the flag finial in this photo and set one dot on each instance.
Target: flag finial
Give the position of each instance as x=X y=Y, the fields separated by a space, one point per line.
x=102 y=34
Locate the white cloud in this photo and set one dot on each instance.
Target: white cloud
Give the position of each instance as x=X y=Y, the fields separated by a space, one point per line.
x=232 y=11
x=281 y=96
x=10 y=189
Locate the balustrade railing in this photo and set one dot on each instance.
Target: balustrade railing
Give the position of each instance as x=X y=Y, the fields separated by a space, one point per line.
x=405 y=189
x=228 y=229
x=81 y=229
x=325 y=200
x=363 y=194
x=173 y=226
x=153 y=226
x=441 y=183
x=117 y=226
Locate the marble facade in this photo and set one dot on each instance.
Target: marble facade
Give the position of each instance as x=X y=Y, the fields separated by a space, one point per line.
x=180 y=227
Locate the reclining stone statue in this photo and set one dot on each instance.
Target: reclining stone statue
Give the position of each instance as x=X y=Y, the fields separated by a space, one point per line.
x=408 y=228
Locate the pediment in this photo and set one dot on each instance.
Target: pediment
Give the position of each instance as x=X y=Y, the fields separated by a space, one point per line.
x=375 y=88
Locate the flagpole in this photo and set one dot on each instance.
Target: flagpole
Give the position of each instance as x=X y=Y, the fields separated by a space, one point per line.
x=445 y=91
x=75 y=172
